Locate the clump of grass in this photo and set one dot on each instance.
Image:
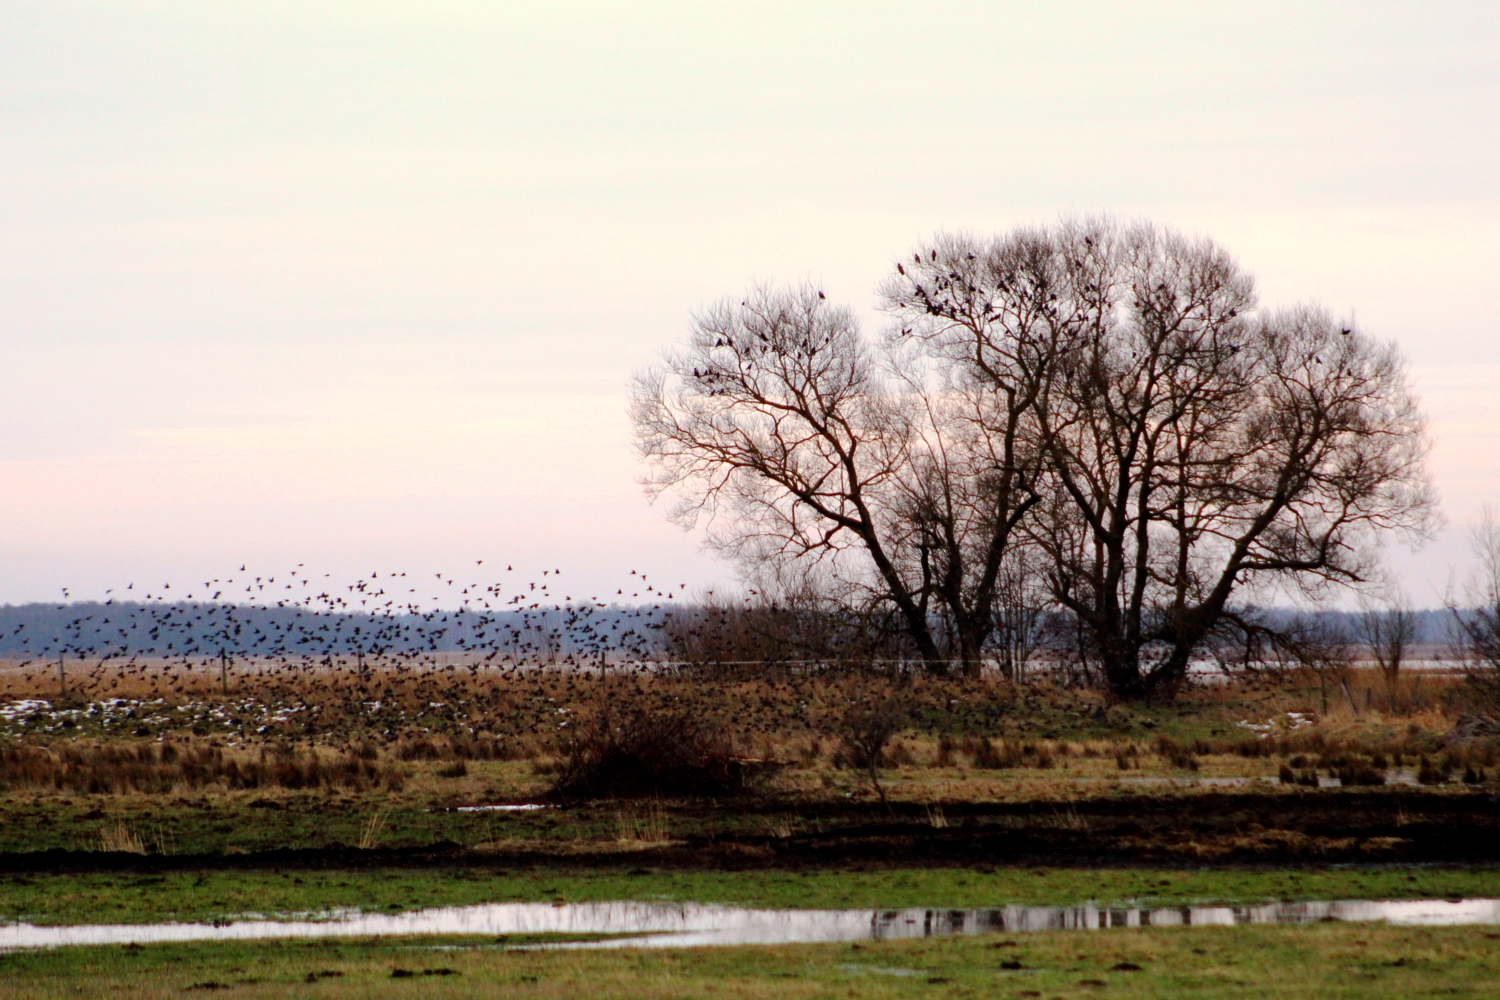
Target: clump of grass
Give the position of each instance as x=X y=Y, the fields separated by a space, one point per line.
x=995 y=754
x=646 y=825
x=118 y=837
x=1430 y=773
x=1179 y=756
x=370 y=836
x=461 y=747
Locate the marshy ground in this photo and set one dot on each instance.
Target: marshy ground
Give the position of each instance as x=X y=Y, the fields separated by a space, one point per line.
x=161 y=801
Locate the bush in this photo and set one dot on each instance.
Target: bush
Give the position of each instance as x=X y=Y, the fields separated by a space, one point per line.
x=652 y=755
x=865 y=730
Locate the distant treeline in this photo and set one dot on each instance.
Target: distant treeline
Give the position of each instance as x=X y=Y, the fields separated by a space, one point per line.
x=564 y=632
x=1432 y=627
x=126 y=629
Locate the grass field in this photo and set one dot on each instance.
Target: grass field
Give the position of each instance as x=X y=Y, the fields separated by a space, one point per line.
x=1365 y=961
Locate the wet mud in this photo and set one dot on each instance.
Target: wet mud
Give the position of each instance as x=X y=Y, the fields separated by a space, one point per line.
x=1202 y=829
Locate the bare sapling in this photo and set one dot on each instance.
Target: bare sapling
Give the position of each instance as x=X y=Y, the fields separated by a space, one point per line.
x=1476 y=618
x=1388 y=633
x=866 y=729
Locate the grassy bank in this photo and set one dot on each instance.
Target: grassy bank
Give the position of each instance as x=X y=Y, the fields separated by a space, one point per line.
x=206 y=895
x=1367 y=961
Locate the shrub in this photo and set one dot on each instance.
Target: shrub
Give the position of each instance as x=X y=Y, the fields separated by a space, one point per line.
x=652 y=754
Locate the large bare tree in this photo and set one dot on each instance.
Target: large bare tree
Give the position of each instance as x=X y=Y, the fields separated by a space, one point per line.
x=1100 y=400
x=802 y=441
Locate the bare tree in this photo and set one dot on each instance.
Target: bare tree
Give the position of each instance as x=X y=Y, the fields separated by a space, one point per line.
x=1021 y=604
x=1103 y=395
x=801 y=442
x=1477 y=622
x=866 y=728
x=1318 y=644
x=1191 y=449
x=1388 y=632
x=982 y=321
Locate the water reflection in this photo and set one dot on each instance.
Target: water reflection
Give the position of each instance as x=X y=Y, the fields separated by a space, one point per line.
x=677 y=925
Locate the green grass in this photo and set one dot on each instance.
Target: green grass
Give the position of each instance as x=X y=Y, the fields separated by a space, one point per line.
x=130 y=898
x=1365 y=961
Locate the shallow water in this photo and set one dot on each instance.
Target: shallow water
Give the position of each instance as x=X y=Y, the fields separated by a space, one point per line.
x=519 y=807
x=677 y=925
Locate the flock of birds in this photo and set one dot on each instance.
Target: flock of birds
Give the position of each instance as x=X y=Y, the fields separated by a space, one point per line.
x=377 y=616
x=301 y=658
x=377 y=645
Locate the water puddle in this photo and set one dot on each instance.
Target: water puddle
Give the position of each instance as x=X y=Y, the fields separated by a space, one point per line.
x=679 y=925
x=520 y=807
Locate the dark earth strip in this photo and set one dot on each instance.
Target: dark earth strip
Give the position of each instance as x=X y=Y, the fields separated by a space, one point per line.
x=1383 y=827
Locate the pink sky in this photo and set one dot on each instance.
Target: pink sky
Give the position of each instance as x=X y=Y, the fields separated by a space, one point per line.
x=361 y=285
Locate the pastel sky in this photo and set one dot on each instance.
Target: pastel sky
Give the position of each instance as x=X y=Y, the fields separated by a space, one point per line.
x=361 y=285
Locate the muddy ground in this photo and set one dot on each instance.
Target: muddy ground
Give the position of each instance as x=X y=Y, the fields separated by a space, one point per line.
x=1328 y=827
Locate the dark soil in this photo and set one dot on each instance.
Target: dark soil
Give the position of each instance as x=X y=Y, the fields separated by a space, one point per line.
x=1375 y=827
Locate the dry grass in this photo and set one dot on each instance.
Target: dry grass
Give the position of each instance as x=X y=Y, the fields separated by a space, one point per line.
x=369 y=837
x=448 y=729
x=643 y=823
x=115 y=768
x=119 y=837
